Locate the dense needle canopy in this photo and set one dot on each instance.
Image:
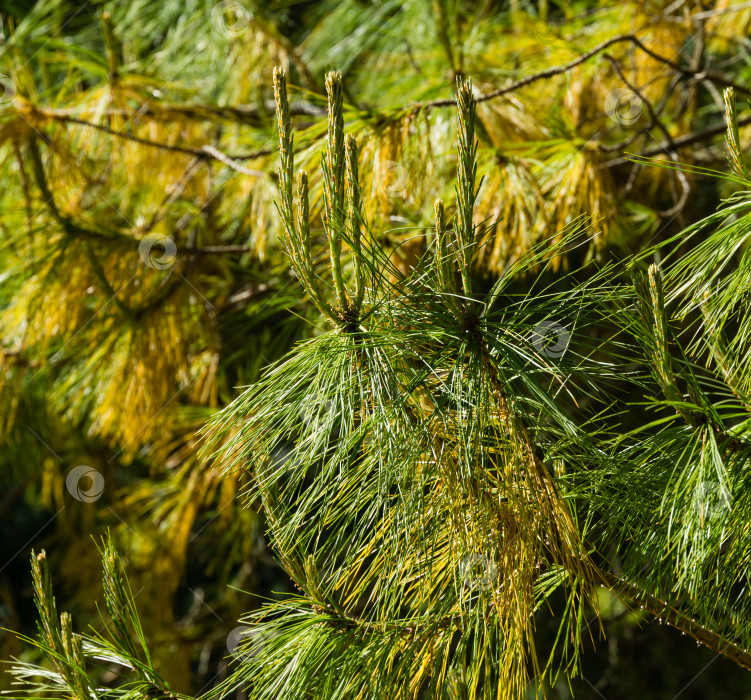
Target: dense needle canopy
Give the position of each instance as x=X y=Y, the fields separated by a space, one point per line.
x=424 y=323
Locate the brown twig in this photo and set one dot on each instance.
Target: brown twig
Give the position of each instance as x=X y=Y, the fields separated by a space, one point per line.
x=680 y=142
x=655 y=119
x=663 y=610
x=204 y=152
x=558 y=70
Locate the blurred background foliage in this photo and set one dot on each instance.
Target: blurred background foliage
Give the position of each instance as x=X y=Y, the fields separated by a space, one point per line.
x=143 y=279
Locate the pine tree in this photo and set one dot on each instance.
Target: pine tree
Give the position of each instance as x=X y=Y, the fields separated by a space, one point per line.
x=426 y=489
x=464 y=423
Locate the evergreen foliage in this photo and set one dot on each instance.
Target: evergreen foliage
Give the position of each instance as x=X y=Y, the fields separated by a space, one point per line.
x=496 y=355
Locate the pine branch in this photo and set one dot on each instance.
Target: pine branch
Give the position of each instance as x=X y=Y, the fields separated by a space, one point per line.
x=735 y=154
x=465 y=177
x=333 y=167
x=207 y=152
x=558 y=70
x=664 y=611
x=74 y=656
